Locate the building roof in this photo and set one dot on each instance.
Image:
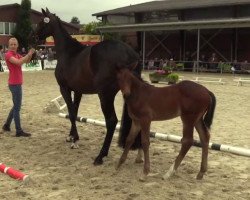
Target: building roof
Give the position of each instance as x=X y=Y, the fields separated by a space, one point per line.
x=182 y=25
x=171 y=5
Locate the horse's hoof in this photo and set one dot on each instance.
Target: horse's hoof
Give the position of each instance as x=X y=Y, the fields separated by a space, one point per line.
x=199 y=176
x=74 y=146
x=117 y=167
x=98 y=161
x=69 y=139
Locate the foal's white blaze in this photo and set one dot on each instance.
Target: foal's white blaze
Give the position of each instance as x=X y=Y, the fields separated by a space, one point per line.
x=170 y=172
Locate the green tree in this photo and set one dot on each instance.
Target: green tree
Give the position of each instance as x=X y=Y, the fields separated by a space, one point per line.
x=23 y=26
x=75 y=20
x=92 y=29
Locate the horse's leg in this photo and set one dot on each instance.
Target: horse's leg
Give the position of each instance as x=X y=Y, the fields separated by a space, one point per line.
x=204 y=138
x=135 y=128
x=66 y=93
x=186 y=143
x=77 y=100
x=76 y=103
x=108 y=109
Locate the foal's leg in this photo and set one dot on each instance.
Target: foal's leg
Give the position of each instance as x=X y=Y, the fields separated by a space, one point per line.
x=134 y=130
x=145 y=129
x=107 y=104
x=204 y=138
x=186 y=143
x=139 y=156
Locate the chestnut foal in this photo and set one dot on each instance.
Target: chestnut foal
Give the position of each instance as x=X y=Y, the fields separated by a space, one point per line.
x=194 y=103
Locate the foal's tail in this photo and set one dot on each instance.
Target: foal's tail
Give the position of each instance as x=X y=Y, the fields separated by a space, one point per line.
x=208 y=119
x=126 y=120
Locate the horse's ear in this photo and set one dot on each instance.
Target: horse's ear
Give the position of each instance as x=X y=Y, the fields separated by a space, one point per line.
x=47 y=10
x=44 y=13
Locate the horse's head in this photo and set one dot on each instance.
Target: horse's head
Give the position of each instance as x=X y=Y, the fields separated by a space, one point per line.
x=44 y=28
x=124 y=79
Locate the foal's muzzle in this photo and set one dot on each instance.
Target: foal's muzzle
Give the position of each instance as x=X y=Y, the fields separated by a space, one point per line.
x=126 y=96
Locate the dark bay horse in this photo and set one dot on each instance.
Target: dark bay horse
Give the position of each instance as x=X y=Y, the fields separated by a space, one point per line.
x=192 y=102
x=86 y=70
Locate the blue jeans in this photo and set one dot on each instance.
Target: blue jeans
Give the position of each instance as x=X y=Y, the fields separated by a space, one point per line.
x=16 y=91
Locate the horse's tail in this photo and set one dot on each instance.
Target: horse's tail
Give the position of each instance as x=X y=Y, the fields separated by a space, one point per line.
x=126 y=120
x=208 y=119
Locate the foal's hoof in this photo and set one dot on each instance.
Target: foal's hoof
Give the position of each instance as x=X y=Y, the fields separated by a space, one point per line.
x=143 y=178
x=74 y=145
x=168 y=175
x=98 y=161
x=69 y=139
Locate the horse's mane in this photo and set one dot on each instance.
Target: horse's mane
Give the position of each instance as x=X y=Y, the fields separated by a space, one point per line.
x=72 y=45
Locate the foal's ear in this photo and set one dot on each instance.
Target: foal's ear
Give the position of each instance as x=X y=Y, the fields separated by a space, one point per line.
x=132 y=66
x=118 y=69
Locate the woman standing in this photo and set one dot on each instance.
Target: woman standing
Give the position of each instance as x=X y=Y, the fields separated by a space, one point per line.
x=14 y=63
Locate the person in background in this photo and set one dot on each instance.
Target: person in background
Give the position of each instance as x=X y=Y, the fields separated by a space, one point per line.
x=188 y=64
x=213 y=61
x=1 y=58
x=42 y=56
x=14 y=63
x=150 y=64
x=23 y=52
x=50 y=55
x=203 y=61
x=172 y=64
x=237 y=66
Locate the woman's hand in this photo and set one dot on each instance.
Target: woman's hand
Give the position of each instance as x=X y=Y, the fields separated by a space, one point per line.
x=31 y=51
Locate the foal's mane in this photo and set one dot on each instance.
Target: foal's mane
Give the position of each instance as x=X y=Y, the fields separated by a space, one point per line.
x=139 y=78
x=72 y=46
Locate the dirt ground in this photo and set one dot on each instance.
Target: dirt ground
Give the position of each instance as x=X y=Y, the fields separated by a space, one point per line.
x=58 y=172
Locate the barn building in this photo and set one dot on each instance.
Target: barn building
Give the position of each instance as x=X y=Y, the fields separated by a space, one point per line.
x=184 y=29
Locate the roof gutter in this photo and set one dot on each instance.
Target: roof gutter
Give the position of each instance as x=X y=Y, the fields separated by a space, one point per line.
x=183 y=25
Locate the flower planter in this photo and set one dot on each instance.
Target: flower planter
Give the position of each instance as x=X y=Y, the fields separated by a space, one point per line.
x=170 y=78
x=155 y=78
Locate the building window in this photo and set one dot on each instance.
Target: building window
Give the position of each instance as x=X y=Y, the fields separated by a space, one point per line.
x=160 y=16
x=1 y=28
x=7 y=28
x=12 y=27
